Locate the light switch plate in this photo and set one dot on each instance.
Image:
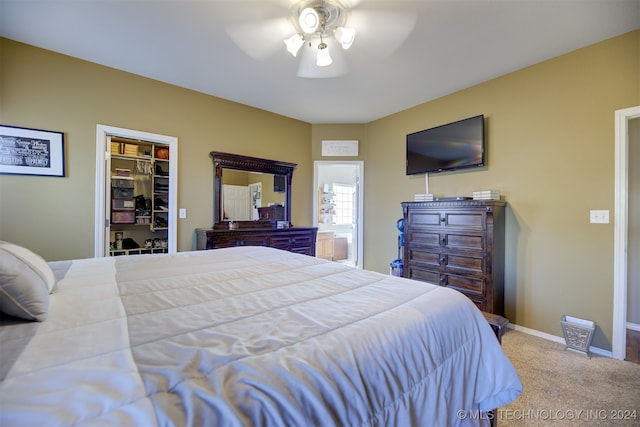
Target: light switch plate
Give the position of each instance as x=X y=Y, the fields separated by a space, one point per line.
x=599 y=217
x=182 y=213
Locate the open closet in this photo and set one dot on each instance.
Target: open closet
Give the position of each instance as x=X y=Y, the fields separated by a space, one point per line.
x=135 y=193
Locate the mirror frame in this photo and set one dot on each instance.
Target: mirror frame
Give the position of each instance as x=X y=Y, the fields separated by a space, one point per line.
x=223 y=161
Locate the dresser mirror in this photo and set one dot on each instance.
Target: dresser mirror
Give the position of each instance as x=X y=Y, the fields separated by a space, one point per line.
x=250 y=191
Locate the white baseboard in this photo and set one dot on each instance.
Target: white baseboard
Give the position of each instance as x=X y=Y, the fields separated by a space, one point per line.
x=554 y=338
x=633 y=326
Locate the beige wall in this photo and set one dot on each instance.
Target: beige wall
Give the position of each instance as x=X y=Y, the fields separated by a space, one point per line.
x=45 y=90
x=551 y=148
x=551 y=154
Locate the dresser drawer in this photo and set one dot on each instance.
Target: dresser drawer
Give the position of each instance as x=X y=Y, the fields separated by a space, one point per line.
x=424 y=237
x=453 y=219
x=421 y=274
x=238 y=239
x=221 y=243
x=425 y=258
x=289 y=241
x=302 y=240
x=480 y=303
x=464 y=241
x=304 y=250
x=424 y=218
x=252 y=241
x=473 y=287
x=465 y=219
x=282 y=241
x=464 y=264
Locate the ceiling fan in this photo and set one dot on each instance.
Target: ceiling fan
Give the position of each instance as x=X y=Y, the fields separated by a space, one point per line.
x=317 y=33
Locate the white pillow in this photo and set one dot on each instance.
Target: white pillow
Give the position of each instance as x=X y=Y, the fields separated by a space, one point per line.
x=26 y=280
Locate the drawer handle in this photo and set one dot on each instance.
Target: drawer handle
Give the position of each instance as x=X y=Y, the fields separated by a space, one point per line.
x=443 y=240
x=443 y=219
x=443 y=260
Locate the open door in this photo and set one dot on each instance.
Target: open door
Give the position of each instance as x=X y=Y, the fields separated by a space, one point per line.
x=338 y=210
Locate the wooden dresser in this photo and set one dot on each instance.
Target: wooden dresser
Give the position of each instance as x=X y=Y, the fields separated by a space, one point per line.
x=301 y=240
x=459 y=244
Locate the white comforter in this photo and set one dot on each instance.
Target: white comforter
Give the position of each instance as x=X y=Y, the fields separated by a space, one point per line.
x=249 y=336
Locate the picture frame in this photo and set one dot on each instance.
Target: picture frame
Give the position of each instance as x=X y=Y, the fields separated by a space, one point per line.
x=25 y=151
x=340 y=148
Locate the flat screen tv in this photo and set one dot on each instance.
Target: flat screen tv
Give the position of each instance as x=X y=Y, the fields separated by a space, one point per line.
x=456 y=145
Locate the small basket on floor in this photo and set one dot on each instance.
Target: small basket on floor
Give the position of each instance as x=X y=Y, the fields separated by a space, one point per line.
x=578 y=333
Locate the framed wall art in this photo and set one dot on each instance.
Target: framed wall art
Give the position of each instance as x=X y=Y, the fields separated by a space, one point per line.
x=340 y=148
x=26 y=151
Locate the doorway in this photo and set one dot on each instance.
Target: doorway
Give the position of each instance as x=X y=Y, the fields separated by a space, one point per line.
x=338 y=210
x=167 y=178
x=623 y=189
x=255 y=189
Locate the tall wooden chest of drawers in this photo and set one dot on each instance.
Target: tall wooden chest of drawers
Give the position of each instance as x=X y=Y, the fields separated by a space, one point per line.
x=459 y=244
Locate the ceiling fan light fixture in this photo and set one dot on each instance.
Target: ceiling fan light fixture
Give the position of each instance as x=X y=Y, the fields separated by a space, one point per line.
x=294 y=43
x=345 y=36
x=324 y=58
x=309 y=20
x=314 y=22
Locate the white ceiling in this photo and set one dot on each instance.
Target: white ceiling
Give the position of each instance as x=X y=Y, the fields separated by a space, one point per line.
x=454 y=44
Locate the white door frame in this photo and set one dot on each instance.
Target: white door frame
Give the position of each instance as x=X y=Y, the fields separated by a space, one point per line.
x=619 y=339
x=255 y=201
x=103 y=155
x=359 y=164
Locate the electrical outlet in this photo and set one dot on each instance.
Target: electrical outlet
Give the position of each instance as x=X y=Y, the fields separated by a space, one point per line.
x=182 y=213
x=599 y=217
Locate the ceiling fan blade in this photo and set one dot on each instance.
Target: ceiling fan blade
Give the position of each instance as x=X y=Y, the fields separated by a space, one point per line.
x=258 y=27
x=261 y=39
x=307 y=67
x=381 y=32
x=350 y=4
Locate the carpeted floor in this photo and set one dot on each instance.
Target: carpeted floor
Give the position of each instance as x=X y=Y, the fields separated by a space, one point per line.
x=562 y=388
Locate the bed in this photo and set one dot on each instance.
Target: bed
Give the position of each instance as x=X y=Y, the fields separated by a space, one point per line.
x=248 y=336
